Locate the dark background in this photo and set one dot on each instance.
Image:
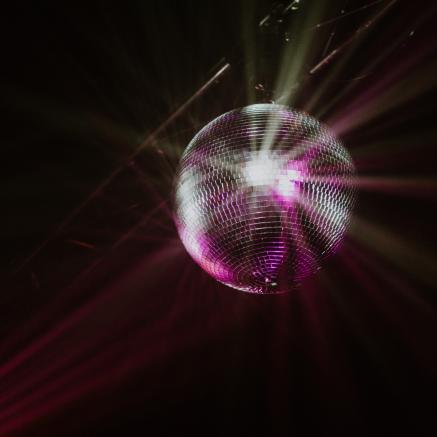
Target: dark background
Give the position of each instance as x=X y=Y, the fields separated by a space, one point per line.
x=107 y=327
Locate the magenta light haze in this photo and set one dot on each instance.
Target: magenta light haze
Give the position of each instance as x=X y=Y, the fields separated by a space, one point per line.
x=262 y=195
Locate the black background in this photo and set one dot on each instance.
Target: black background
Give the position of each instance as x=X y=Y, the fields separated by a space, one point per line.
x=84 y=83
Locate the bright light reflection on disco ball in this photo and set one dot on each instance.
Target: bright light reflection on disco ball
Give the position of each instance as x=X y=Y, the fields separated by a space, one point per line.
x=262 y=195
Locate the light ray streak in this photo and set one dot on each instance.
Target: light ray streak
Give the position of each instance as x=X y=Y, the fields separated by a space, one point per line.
x=383 y=97
x=83 y=244
x=401 y=253
x=327 y=59
x=294 y=60
x=398 y=284
x=249 y=49
x=328 y=43
x=45 y=340
x=425 y=186
x=16 y=391
x=415 y=186
x=351 y=314
x=87 y=377
x=395 y=302
x=317 y=318
x=354 y=11
x=149 y=140
x=137 y=226
x=144 y=180
x=381 y=56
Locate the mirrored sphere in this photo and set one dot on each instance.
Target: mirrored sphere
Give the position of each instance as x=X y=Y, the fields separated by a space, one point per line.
x=262 y=194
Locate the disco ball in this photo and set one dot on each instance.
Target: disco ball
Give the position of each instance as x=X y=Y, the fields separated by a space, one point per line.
x=262 y=195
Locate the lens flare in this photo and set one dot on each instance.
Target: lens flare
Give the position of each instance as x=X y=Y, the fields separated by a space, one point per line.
x=262 y=195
